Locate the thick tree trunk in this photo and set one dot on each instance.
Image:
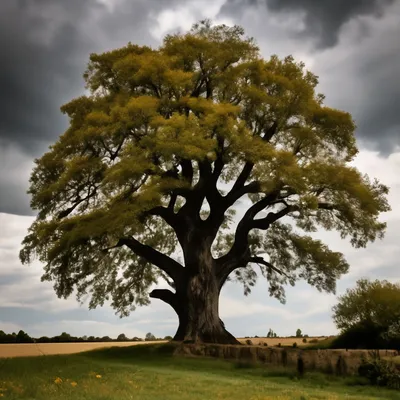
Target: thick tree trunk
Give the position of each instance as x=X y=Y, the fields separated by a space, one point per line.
x=199 y=320
x=196 y=300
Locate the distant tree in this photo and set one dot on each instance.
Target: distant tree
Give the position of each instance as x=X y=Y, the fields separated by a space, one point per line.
x=150 y=337
x=138 y=175
x=368 y=315
x=63 y=338
x=44 y=339
x=298 y=333
x=23 y=337
x=91 y=339
x=275 y=335
x=122 y=337
x=106 y=339
x=84 y=338
x=168 y=338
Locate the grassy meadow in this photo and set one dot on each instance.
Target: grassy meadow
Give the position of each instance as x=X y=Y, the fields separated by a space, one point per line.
x=150 y=372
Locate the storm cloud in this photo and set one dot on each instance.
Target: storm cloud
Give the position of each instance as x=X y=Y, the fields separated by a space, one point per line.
x=323 y=19
x=45 y=45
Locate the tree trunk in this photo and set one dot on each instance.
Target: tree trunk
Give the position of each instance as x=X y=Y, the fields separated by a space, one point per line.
x=197 y=298
x=198 y=314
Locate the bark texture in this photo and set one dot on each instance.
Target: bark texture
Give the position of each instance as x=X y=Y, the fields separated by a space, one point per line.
x=196 y=300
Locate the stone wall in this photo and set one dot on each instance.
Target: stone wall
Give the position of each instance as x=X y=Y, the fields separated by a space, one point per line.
x=341 y=362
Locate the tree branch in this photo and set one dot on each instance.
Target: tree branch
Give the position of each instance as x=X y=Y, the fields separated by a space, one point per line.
x=187 y=170
x=260 y=260
x=165 y=295
x=171 y=267
x=248 y=167
x=264 y=223
x=167 y=214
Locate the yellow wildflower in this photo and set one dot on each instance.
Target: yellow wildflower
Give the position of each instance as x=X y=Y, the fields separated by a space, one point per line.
x=98 y=376
x=57 y=380
x=74 y=384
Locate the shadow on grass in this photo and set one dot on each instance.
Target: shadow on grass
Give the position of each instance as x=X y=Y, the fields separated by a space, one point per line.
x=161 y=356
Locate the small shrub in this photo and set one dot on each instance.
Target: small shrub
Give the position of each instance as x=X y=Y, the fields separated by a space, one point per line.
x=304 y=340
x=313 y=341
x=249 y=342
x=279 y=345
x=380 y=372
x=265 y=344
x=294 y=345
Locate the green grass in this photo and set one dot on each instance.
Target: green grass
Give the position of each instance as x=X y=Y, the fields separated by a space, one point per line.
x=150 y=372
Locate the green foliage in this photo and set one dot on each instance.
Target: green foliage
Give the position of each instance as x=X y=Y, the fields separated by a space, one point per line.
x=369 y=315
x=122 y=337
x=381 y=373
x=298 y=333
x=160 y=130
x=149 y=337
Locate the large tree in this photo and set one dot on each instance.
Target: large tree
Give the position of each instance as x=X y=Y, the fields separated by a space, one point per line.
x=158 y=155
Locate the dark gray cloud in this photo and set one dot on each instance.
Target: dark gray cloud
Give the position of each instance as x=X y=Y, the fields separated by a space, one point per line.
x=352 y=45
x=45 y=45
x=323 y=19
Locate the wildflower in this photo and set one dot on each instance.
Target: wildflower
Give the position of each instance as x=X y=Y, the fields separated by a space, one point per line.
x=57 y=380
x=74 y=384
x=98 y=376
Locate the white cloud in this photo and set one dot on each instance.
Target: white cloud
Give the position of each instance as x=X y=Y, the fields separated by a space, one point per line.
x=183 y=16
x=9 y=327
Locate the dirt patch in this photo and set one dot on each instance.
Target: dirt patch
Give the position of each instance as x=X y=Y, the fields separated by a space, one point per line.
x=45 y=349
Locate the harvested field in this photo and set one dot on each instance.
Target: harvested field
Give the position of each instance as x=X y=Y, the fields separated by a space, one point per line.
x=284 y=341
x=46 y=349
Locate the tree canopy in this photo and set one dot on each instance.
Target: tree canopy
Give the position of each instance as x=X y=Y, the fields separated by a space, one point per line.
x=162 y=151
x=373 y=303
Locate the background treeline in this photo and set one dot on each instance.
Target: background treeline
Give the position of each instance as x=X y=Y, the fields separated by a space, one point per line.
x=23 y=337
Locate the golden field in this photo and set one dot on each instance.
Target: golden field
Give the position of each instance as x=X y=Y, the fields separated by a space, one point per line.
x=46 y=349
x=284 y=341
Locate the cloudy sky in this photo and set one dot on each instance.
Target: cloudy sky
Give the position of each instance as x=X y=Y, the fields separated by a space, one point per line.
x=353 y=46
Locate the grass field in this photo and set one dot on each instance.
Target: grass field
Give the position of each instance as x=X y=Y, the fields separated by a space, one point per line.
x=150 y=372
